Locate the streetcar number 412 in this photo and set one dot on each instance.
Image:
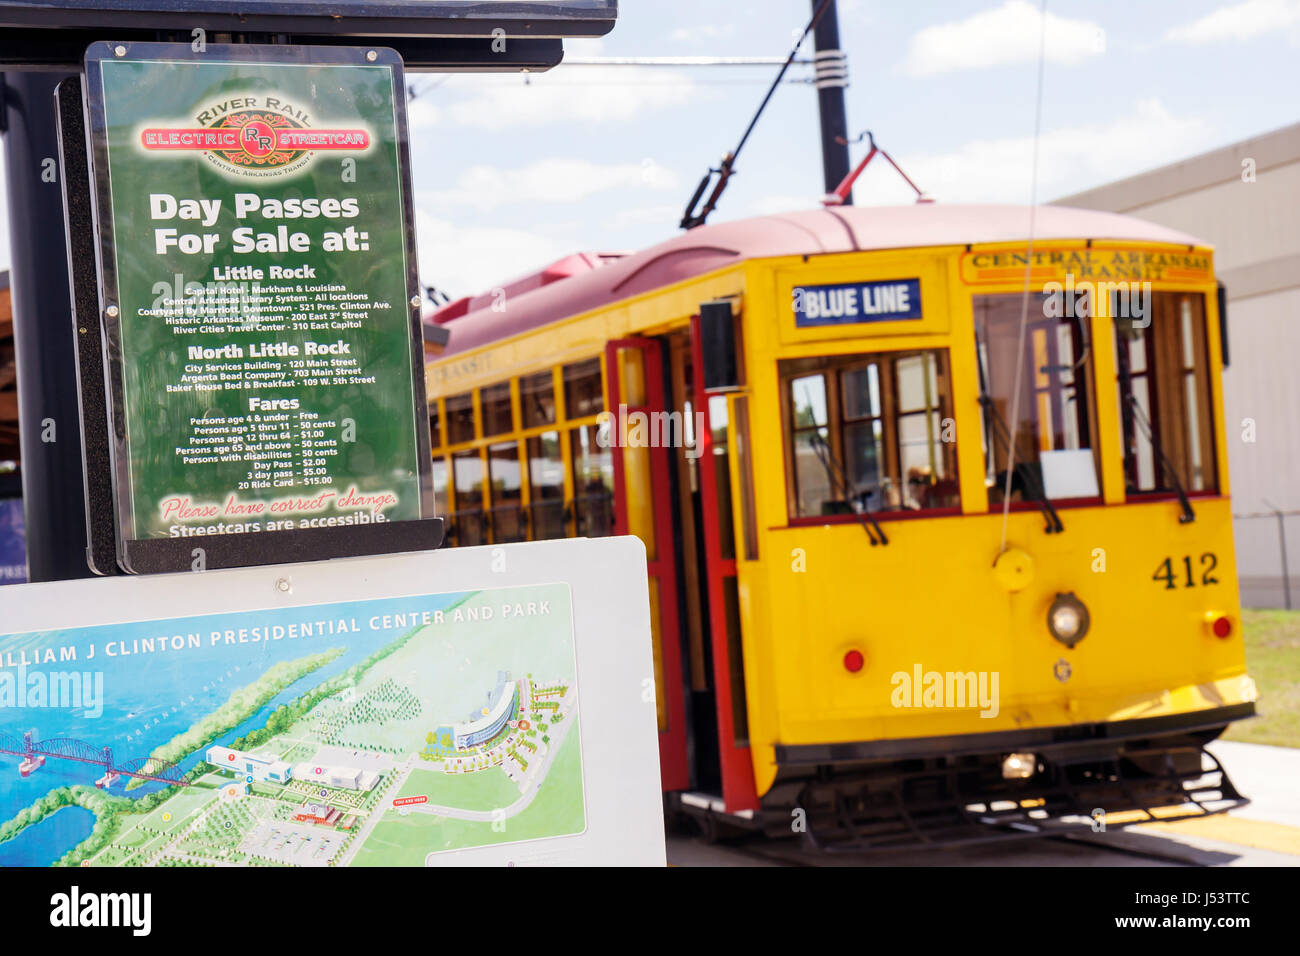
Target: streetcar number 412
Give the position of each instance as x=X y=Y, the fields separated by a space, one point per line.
x=1165 y=571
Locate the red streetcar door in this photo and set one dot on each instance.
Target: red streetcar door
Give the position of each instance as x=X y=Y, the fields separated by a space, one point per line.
x=643 y=506
x=717 y=443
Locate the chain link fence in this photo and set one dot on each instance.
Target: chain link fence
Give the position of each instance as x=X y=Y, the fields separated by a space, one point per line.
x=1268 y=547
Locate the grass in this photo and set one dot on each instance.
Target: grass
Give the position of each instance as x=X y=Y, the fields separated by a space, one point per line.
x=557 y=811
x=481 y=790
x=1273 y=660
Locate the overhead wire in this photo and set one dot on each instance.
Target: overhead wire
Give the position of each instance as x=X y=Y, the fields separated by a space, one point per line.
x=1029 y=259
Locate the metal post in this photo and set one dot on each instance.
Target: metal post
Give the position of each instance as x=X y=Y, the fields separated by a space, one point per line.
x=1281 y=538
x=48 y=416
x=1286 y=574
x=832 y=77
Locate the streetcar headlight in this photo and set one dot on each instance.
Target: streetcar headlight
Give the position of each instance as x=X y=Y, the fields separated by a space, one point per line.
x=1068 y=619
x=1019 y=766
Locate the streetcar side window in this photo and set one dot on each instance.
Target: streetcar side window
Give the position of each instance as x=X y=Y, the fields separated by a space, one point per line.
x=546 y=512
x=495 y=400
x=537 y=399
x=583 y=392
x=593 y=483
x=504 y=476
x=870 y=433
x=468 y=520
x=460 y=418
x=1054 y=428
x=530 y=467
x=435 y=426
x=1162 y=375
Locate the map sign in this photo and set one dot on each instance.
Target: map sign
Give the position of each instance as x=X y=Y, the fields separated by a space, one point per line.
x=257 y=279
x=351 y=734
x=356 y=718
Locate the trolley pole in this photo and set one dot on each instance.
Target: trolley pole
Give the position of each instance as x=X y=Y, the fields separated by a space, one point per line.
x=49 y=424
x=832 y=76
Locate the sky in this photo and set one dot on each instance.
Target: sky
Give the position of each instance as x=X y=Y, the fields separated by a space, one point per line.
x=511 y=173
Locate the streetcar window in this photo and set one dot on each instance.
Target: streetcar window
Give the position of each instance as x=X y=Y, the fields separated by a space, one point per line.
x=1053 y=432
x=537 y=399
x=495 y=400
x=749 y=518
x=583 y=394
x=719 y=423
x=871 y=433
x=593 y=483
x=435 y=426
x=812 y=484
x=468 y=524
x=507 y=495
x=440 y=482
x=546 y=486
x=1164 y=397
x=460 y=418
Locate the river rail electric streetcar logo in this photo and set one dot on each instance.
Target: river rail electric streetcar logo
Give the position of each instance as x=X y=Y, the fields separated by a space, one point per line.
x=254 y=136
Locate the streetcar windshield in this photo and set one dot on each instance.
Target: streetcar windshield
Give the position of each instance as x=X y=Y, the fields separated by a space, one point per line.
x=1051 y=423
x=1163 y=378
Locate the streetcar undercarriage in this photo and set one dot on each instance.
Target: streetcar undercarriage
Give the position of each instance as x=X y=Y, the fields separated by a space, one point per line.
x=1089 y=777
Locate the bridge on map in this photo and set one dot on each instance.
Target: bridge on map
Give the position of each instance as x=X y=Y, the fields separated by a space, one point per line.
x=34 y=753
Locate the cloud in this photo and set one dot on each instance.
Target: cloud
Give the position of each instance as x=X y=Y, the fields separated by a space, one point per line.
x=579 y=94
x=667 y=215
x=1240 y=21
x=554 y=180
x=1006 y=35
x=702 y=33
x=774 y=204
x=1071 y=158
x=466 y=258
x=422 y=114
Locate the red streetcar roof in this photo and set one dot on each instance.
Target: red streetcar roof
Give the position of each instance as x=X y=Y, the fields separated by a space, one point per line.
x=591 y=280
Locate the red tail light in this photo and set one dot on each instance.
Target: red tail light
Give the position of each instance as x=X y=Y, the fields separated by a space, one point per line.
x=1222 y=627
x=853 y=661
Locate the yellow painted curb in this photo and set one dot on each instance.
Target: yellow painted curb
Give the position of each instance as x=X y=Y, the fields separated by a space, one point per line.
x=1253 y=833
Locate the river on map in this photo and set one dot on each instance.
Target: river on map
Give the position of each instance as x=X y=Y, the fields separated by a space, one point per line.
x=65 y=828
x=149 y=699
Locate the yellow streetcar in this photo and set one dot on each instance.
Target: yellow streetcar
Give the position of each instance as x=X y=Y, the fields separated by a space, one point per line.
x=934 y=499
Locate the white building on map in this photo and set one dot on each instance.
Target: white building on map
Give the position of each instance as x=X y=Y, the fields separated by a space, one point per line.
x=483 y=728
x=261 y=768
x=339 y=778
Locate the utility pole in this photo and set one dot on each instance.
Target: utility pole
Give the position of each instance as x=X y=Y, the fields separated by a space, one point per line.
x=832 y=65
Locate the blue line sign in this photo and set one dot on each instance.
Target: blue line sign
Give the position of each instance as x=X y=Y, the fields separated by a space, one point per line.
x=889 y=300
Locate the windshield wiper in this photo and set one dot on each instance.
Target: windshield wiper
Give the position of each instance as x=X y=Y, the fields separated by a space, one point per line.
x=1029 y=481
x=837 y=478
x=1188 y=515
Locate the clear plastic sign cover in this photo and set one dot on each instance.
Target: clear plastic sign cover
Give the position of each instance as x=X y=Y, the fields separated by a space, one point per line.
x=258 y=289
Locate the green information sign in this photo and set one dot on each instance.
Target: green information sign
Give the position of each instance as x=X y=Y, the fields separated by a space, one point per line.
x=257 y=274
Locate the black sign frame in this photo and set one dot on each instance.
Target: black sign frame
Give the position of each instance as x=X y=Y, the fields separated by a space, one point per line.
x=370 y=18
x=101 y=401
